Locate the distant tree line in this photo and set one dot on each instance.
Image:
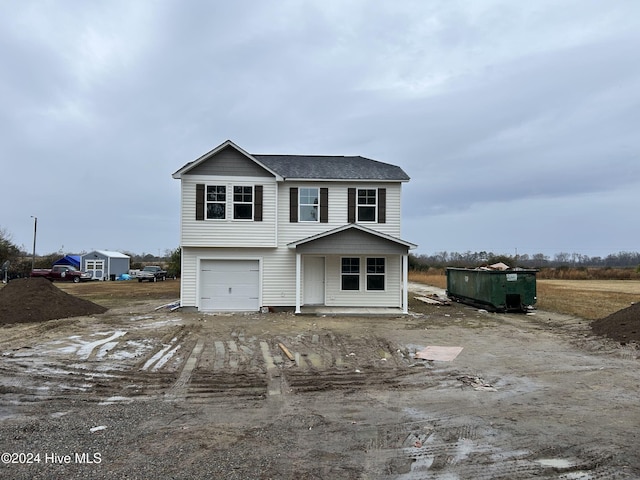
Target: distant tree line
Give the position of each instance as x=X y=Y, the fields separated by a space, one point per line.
x=538 y=260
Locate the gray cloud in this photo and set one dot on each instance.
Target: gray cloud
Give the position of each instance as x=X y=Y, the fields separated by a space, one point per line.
x=487 y=105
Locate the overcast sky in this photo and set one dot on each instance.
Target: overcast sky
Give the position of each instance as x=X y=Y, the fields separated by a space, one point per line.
x=518 y=122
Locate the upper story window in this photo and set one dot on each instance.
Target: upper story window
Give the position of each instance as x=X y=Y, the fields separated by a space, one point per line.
x=243 y=202
x=213 y=202
x=309 y=204
x=216 y=202
x=367 y=204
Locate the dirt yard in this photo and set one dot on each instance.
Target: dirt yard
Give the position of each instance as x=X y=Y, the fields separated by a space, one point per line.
x=140 y=392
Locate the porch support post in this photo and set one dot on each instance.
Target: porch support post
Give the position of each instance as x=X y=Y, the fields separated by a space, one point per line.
x=298 y=277
x=405 y=283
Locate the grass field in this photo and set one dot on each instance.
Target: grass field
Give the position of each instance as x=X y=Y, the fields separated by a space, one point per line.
x=115 y=294
x=589 y=299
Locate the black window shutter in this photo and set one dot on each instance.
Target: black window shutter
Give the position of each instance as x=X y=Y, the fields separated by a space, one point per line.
x=257 y=203
x=351 y=205
x=382 y=205
x=200 y=201
x=324 y=205
x=293 y=204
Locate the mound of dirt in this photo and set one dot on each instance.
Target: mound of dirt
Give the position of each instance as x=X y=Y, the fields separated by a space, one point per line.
x=623 y=325
x=29 y=300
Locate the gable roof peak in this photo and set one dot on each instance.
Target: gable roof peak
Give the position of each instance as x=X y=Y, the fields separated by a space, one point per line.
x=226 y=144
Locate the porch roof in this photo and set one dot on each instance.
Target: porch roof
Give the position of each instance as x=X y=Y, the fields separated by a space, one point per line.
x=352 y=239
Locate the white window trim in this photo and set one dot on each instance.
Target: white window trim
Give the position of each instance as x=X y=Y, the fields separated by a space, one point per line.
x=375 y=206
x=359 y=274
x=226 y=201
x=229 y=202
x=367 y=274
x=234 y=203
x=300 y=205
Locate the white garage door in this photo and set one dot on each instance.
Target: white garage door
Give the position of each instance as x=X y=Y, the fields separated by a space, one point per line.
x=229 y=285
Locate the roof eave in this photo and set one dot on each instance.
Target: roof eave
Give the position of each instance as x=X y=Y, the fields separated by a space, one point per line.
x=349 y=180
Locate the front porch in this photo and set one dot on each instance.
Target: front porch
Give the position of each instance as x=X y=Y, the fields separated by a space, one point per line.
x=321 y=310
x=351 y=270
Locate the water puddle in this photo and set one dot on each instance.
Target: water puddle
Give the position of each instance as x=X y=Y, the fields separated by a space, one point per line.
x=555 y=462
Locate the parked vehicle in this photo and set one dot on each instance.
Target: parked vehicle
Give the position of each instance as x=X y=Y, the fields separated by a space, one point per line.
x=62 y=273
x=497 y=290
x=152 y=274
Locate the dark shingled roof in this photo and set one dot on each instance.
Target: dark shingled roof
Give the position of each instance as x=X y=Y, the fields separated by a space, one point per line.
x=331 y=167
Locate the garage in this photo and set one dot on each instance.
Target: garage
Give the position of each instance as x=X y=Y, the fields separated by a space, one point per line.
x=229 y=285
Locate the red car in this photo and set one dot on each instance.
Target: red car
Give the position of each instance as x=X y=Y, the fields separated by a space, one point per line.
x=62 y=273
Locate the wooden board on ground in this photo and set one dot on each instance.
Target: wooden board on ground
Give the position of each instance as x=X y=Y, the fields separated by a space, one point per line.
x=433 y=300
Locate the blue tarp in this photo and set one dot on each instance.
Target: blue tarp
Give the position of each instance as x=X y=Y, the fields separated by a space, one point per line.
x=73 y=260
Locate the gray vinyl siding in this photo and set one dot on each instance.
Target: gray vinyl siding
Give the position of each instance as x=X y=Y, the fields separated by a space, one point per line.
x=227 y=232
x=352 y=242
x=290 y=232
x=390 y=297
x=118 y=266
x=268 y=240
x=230 y=162
x=278 y=272
x=278 y=277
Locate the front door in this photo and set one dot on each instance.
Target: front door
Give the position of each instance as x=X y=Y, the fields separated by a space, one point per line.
x=314 y=280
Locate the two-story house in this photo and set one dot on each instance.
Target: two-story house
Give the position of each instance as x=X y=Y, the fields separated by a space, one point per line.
x=291 y=231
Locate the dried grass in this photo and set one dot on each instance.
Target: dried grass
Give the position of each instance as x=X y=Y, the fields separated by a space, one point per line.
x=585 y=299
x=113 y=294
x=436 y=278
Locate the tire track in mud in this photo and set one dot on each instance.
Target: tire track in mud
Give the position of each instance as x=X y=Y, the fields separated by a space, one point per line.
x=328 y=362
x=442 y=448
x=178 y=389
x=228 y=368
x=186 y=364
x=249 y=367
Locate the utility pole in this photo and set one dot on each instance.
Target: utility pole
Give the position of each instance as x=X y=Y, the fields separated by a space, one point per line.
x=35 y=231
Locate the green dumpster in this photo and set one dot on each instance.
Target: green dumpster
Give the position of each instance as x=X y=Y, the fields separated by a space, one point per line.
x=496 y=290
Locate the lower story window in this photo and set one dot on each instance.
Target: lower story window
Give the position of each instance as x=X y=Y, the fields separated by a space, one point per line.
x=375 y=273
x=350 y=273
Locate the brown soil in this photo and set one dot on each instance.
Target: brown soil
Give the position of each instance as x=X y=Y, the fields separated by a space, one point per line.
x=31 y=300
x=623 y=325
